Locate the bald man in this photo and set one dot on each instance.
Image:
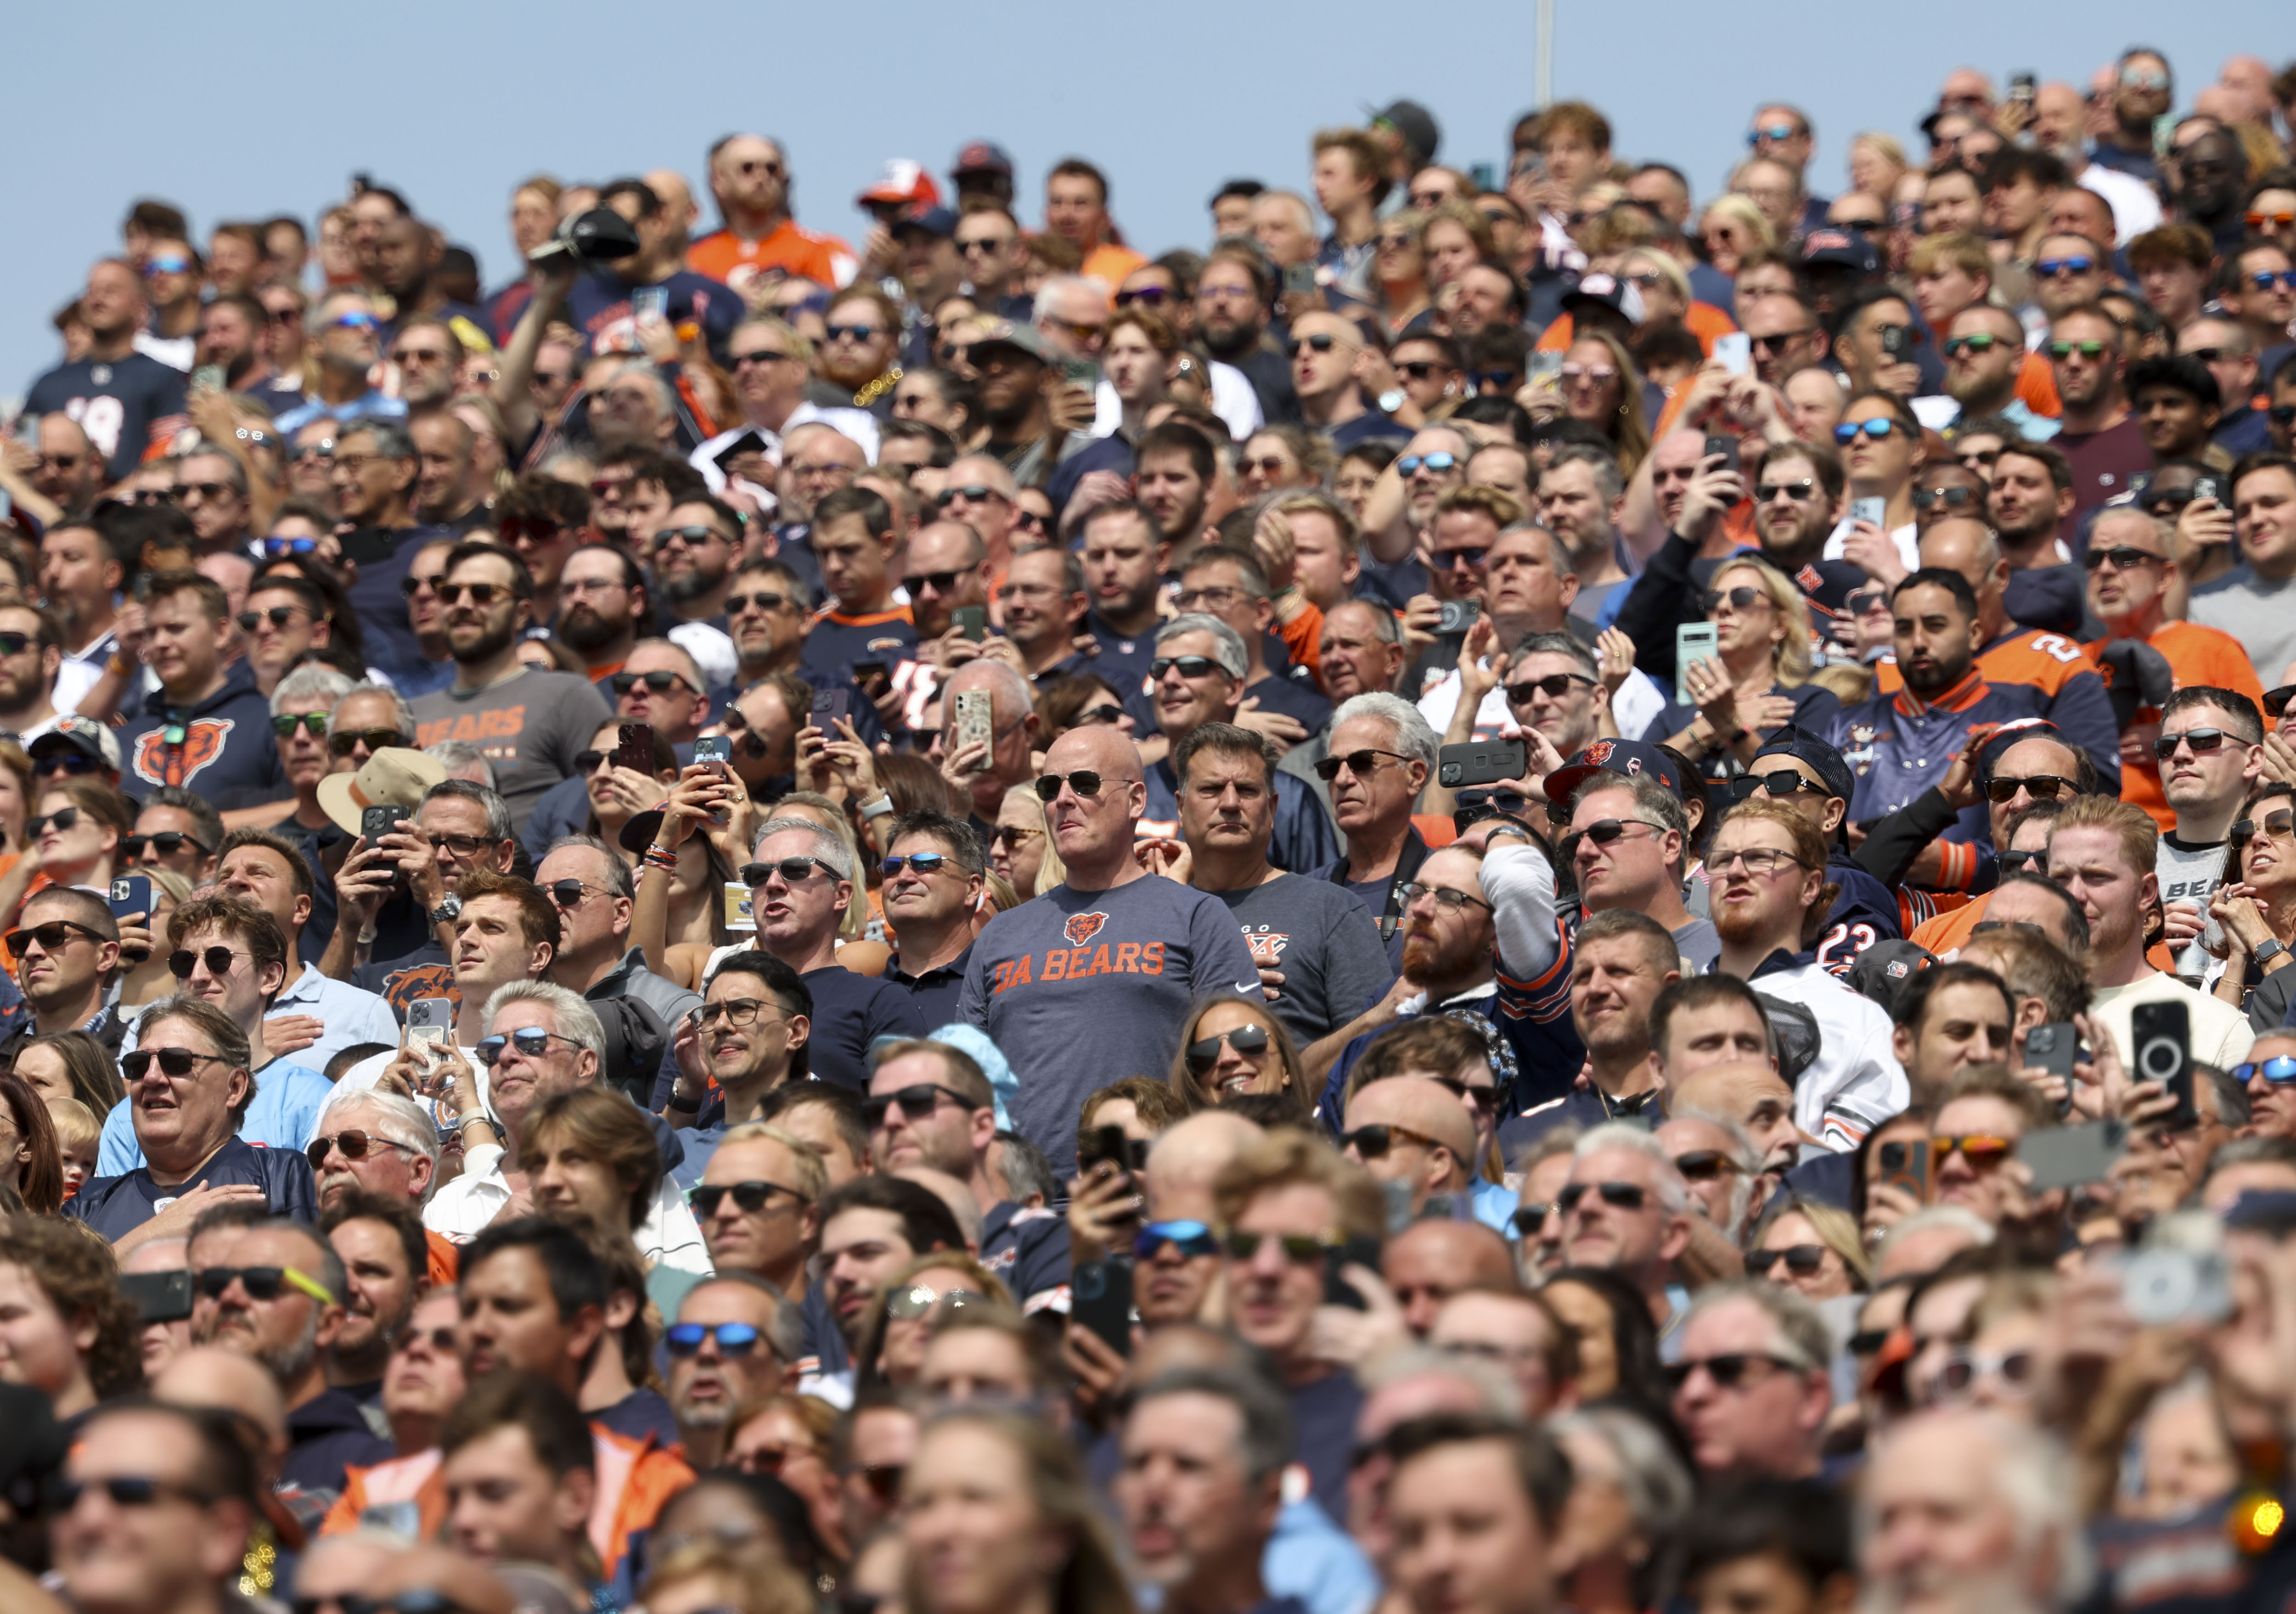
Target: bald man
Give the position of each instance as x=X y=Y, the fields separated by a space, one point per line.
x=1756 y=1097
x=1170 y=1284
x=1092 y=981
x=1429 y=1262
x=208 y=1375
x=1408 y=1130
x=1013 y=731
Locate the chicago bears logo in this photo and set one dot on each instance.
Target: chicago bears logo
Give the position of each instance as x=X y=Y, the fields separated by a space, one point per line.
x=1081 y=928
x=1598 y=753
x=401 y=990
x=156 y=762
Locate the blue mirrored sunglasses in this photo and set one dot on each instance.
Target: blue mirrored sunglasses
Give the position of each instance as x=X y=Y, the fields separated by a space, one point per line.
x=1190 y=1238
x=733 y=1339
x=2279 y=1071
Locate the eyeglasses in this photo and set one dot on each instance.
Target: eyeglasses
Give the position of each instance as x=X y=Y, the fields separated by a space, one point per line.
x=1742 y=598
x=64 y=820
x=908 y=1305
x=2280 y=1072
x=765 y=598
x=1191 y=1238
x=1410 y=464
x=2067 y=349
x=732 y=1339
x=1728 y=1370
x=918 y=1100
x=1444 y=898
x=1359 y=763
x=342 y=742
x=53 y=936
x=659 y=681
x=2040 y=787
x=1084 y=782
x=1620 y=1196
x=794 y=871
x=1799 y=491
x=1299 y=1249
x=751 y=1196
x=1848 y=432
x=1758 y=860
x=532 y=1042
x=2201 y=740
x=736 y=1011
x=1704 y=1165
x=1981 y=1150
x=1250 y=1041
x=1952 y=499
x=1603 y=832
x=173 y=1061
x=1553 y=686
x=165 y=842
x=353 y=1143
x=260 y=1283
x=924 y=862
x=2124 y=558
x=1784 y=782
x=1802 y=1260
x=182 y=961
x=1964 y=1367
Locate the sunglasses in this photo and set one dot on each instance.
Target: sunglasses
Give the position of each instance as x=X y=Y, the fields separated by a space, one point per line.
x=1965 y=1368
x=1084 y=782
x=1191 y=667
x=1299 y=1249
x=1359 y=763
x=1979 y=1151
x=1250 y=1041
x=165 y=842
x=354 y=1145
x=1418 y=369
x=1590 y=373
x=793 y=871
x=74 y=762
x=64 y=820
x=924 y=862
x=733 y=1339
x=2273 y=221
x=477 y=594
x=1848 y=432
x=1952 y=499
x=1191 y=1238
x=763 y=355
x=128 y=1491
x=1777 y=344
x=939 y=582
x=752 y=1197
x=1741 y=598
x=1784 y=782
x=261 y=1282
x=693 y=537
x=354 y=321
x=1799 y=491
x=1729 y=1370
x=851 y=333
x=2067 y=349
x=1704 y=1165
x=2278 y=826
x=908 y=1305
x=2053 y=269
x=1802 y=1260
x=1410 y=464
x=53 y=936
x=2280 y=1072
x=1146 y=297
x=765 y=598
x=2040 y=787
x=2201 y=740
x=1322 y=342
x=273 y=548
x=531 y=1040
x=1983 y=341
x=1622 y=1196
x=568 y=893
x=182 y=961
x=314 y=724
x=1553 y=686
x=1603 y=832
x=173 y=1061
x=1471 y=557
x=918 y=1100
x=2264 y=280
x=342 y=742
x=1372 y=1142
x=2124 y=558
x=411 y=584
x=659 y=681
x=1010 y=836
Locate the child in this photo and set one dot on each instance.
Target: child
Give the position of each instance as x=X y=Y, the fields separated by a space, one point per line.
x=77 y=1133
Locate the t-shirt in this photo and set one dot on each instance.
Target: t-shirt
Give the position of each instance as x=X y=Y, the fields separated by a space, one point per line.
x=1324 y=1424
x=283 y=1114
x=849 y=1013
x=1295 y=697
x=1324 y=941
x=221 y=746
x=600 y=305
x=2103 y=462
x=131 y=408
x=2221 y=1033
x=1699 y=942
x=400 y=982
x=1081 y=988
x=118 y=1206
x=529 y=726
x=810 y=254
x=2260 y=612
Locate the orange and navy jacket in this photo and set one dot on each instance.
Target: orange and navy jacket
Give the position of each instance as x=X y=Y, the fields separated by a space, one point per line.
x=2063 y=672
x=1899 y=745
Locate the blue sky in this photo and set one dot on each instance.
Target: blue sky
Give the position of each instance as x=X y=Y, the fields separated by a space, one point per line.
x=245 y=113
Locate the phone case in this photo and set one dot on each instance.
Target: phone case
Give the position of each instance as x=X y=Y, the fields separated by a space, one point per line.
x=975 y=725
x=738 y=915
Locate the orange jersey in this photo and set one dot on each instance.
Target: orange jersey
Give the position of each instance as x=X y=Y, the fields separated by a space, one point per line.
x=2196 y=655
x=1703 y=320
x=2037 y=386
x=1950 y=928
x=2041 y=660
x=791 y=249
x=1112 y=264
x=1303 y=636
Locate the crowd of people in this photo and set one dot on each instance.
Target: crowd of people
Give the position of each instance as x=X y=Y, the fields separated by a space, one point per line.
x=1518 y=892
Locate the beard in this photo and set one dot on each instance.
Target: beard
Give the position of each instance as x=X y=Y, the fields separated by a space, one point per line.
x=691 y=584
x=1735 y=924
x=1934 y=679
x=288 y=1363
x=490 y=643
x=1427 y=957
x=585 y=630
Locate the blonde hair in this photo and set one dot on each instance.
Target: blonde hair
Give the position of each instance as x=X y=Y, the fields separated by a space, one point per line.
x=1836 y=1229
x=2139 y=836
x=812 y=1171
x=1629 y=433
x=1291 y=1156
x=1050 y=871
x=1739 y=209
x=1790 y=656
x=76 y=1124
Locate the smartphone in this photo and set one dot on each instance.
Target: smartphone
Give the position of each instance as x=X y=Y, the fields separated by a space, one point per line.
x=1695 y=641
x=2067 y=1157
x=650 y=303
x=1897 y=342
x=208 y=378
x=376 y=821
x=2021 y=86
x=2164 y=135
x=159 y=1296
x=830 y=706
x=976 y=723
x=400 y=1519
x=1113 y=1144
x=1298 y=278
x=1727 y=447
x=2053 y=1048
x=869 y=674
x=131 y=894
x=738 y=914
x=2208 y=487
x=2162 y=1035
x=971 y=621
x=1482 y=762
x=1080 y=373
x=635 y=750
x=431 y=1021
x=1875 y=511
x=1483 y=177
x=1099 y=1299
x=1457 y=616
x=1906 y=1166
x=1734 y=350
x=1355 y=1252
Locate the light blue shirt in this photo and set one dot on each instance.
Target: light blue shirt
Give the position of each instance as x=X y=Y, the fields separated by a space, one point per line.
x=282 y=1115
x=1310 y=1558
x=348 y=1016
x=375 y=406
x=1494 y=1204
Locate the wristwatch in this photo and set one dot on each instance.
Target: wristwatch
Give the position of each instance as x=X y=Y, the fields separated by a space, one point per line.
x=446 y=911
x=2269 y=951
x=882 y=807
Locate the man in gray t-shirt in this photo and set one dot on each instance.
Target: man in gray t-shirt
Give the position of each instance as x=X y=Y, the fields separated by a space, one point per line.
x=2213 y=740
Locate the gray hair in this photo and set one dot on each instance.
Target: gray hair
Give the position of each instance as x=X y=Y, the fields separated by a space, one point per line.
x=401 y=714
x=392 y=441
x=1981 y=1231
x=1383 y=625
x=1558 y=553
x=1049 y=294
x=1607 y=482
x=307 y=681
x=453 y=754
x=1413 y=736
x=784 y=1331
x=1027 y=1171
x=1501 y=1396
x=2031 y=1476
x=1656 y=1486
x=1802 y=1332
x=619 y=881
x=1558 y=644
x=828 y=845
x=577 y=1021
x=1673 y=1193
x=402 y=1120
x=1263 y=1442
x=1228 y=649
x=490 y=802
x=234 y=471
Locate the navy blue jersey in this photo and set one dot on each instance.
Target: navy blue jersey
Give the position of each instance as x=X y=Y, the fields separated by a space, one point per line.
x=600 y=304
x=1533 y=1014
x=1899 y=745
x=221 y=746
x=131 y=408
x=1866 y=911
x=1305 y=836
x=384 y=557
x=838 y=641
x=118 y=1206
x=849 y=1013
x=1586 y=1108
x=1296 y=696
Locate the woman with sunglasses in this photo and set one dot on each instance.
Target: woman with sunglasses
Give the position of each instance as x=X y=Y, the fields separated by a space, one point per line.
x=1601 y=387
x=1280 y=458
x=1229 y=1047
x=914 y=1299
x=1811 y=1247
x=790 y=1438
x=1021 y=848
x=1727 y=706
x=1079 y=700
x=1399 y=273
x=72 y=839
x=2256 y=906
x=1732 y=229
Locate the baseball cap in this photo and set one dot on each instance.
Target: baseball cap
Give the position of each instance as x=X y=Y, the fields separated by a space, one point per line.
x=1610 y=292
x=73 y=733
x=395 y=776
x=1885 y=970
x=1415 y=124
x=925 y=215
x=1795 y=1029
x=904 y=180
x=1624 y=757
x=1804 y=747
x=1012 y=333
x=1846 y=249
x=982 y=156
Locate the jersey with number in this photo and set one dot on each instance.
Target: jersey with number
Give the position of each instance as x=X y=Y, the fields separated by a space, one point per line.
x=131 y=408
x=1865 y=913
x=2066 y=678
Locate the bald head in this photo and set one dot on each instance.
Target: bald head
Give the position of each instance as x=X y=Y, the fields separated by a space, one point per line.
x=1475 y=1255
x=945 y=546
x=1185 y=1158
x=1960 y=544
x=985 y=470
x=209 y=1376
x=1420 y=1105
x=1098 y=747
x=1735 y=1090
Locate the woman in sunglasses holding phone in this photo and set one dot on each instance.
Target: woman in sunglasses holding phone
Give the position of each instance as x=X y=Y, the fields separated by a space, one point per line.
x=2256 y=906
x=73 y=838
x=1728 y=705
x=1230 y=1046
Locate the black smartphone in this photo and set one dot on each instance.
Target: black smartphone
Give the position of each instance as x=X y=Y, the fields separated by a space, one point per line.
x=159 y=1296
x=868 y=674
x=635 y=750
x=830 y=706
x=1482 y=762
x=1897 y=342
x=2053 y=1048
x=1906 y=1166
x=1355 y=1252
x=2162 y=1036
x=376 y=821
x=131 y=894
x=971 y=621
x=1112 y=1144
x=2022 y=86
x=1727 y=447
x=1457 y=617
x=1099 y=1299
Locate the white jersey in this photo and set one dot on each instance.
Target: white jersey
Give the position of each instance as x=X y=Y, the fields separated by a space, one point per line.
x=1855 y=1082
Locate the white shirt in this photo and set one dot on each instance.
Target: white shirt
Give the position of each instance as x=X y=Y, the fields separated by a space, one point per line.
x=1633 y=708
x=2221 y=1033
x=1855 y=1082
x=462 y=1209
x=1232 y=400
x=1907 y=537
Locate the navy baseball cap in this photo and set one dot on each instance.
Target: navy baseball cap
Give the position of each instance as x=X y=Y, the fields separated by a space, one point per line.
x=982 y=156
x=1624 y=757
x=1803 y=747
x=926 y=216
x=1845 y=248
